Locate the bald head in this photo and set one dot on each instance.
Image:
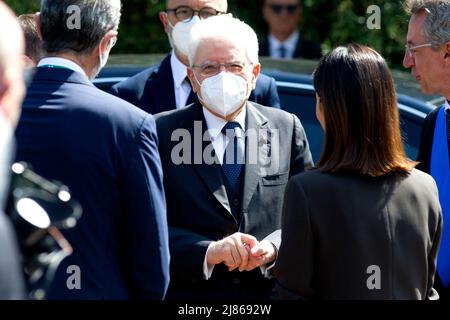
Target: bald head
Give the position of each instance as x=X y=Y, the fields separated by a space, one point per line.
x=11 y=64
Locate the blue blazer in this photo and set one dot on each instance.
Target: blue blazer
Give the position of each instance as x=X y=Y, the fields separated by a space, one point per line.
x=106 y=151
x=153 y=90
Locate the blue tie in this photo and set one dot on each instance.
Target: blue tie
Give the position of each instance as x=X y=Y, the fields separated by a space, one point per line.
x=234 y=155
x=283 y=52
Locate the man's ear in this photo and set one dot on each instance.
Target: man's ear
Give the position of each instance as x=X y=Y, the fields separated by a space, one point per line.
x=194 y=84
x=107 y=40
x=256 y=71
x=4 y=85
x=163 y=17
x=37 y=20
x=447 y=50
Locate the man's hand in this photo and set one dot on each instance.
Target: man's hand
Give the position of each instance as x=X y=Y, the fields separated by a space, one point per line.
x=263 y=253
x=233 y=251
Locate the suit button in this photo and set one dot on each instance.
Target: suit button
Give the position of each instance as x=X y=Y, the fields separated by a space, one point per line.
x=236 y=281
x=236 y=202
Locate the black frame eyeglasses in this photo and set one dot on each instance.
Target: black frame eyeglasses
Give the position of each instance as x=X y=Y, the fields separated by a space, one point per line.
x=185 y=13
x=289 y=8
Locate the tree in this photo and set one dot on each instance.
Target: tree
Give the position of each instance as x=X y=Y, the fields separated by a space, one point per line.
x=330 y=22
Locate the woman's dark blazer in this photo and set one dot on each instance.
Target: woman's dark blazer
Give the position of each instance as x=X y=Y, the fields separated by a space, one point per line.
x=354 y=237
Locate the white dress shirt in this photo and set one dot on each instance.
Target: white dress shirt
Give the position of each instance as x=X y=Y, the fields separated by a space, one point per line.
x=215 y=126
x=447 y=106
x=63 y=63
x=290 y=44
x=181 y=84
x=219 y=142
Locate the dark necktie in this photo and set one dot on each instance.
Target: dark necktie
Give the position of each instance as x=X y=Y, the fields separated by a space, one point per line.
x=234 y=155
x=282 y=51
x=192 y=95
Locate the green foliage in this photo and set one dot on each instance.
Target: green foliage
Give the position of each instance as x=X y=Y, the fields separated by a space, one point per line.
x=331 y=22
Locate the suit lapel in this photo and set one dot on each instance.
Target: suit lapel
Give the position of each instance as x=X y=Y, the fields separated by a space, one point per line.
x=163 y=87
x=210 y=173
x=256 y=153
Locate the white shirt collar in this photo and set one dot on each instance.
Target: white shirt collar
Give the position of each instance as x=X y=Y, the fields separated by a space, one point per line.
x=290 y=43
x=216 y=124
x=447 y=105
x=179 y=70
x=61 y=62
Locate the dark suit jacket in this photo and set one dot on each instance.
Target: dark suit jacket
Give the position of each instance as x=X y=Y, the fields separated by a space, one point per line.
x=199 y=209
x=424 y=157
x=426 y=141
x=153 y=90
x=11 y=277
x=105 y=151
x=305 y=49
x=336 y=226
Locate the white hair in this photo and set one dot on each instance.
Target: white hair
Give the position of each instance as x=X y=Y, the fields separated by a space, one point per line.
x=224 y=27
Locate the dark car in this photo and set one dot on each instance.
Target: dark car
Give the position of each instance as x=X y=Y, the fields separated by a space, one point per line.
x=296 y=91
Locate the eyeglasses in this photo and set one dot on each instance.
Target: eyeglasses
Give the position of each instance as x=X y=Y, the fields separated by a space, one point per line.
x=185 y=14
x=212 y=69
x=411 y=50
x=289 y=8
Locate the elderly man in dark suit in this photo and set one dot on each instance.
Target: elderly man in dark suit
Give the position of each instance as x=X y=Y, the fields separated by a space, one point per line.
x=226 y=163
x=105 y=150
x=166 y=86
x=428 y=56
x=12 y=91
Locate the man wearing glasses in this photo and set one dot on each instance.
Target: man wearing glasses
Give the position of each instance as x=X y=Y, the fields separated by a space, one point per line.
x=166 y=86
x=428 y=56
x=225 y=188
x=284 y=40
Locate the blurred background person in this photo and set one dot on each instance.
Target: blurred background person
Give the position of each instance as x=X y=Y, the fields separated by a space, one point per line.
x=166 y=86
x=224 y=211
x=12 y=91
x=376 y=233
x=33 y=41
x=428 y=56
x=105 y=150
x=284 y=40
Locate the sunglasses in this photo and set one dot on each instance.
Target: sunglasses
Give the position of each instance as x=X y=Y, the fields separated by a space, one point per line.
x=289 y=8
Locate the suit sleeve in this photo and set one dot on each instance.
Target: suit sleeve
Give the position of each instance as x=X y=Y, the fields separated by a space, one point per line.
x=188 y=250
x=295 y=262
x=433 y=254
x=426 y=141
x=146 y=221
x=272 y=99
x=301 y=158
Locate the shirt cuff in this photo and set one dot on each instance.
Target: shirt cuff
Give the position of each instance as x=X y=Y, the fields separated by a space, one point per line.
x=266 y=269
x=207 y=268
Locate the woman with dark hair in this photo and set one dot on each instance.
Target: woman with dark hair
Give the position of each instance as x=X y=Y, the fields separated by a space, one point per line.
x=365 y=224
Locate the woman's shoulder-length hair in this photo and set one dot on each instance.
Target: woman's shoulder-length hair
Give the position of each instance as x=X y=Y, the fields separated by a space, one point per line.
x=360 y=111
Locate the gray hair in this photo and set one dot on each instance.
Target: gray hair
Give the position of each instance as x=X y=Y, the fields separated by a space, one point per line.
x=437 y=22
x=96 y=18
x=225 y=27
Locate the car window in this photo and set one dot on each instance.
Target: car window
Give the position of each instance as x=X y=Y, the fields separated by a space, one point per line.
x=302 y=103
